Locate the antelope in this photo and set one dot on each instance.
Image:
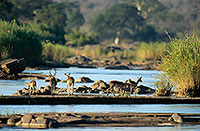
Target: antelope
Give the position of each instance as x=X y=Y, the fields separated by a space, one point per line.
x=53 y=81
x=133 y=84
x=118 y=85
x=70 y=81
x=31 y=86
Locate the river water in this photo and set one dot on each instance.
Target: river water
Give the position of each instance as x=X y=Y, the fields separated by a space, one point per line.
x=8 y=87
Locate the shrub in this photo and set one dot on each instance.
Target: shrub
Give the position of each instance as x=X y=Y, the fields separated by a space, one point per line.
x=19 y=41
x=80 y=39
x=56 y=52
x=150 y=51
x=181 y=65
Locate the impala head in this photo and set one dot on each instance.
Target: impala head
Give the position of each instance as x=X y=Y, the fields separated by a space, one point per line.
x=50 y=74
x=139 y=79
x=31 y=83
x=68 y=75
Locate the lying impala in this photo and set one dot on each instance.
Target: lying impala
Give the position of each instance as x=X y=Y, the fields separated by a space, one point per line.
x=52 y=81
x=32 y=87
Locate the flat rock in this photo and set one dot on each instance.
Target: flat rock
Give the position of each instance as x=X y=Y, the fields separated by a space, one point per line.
x=117 y=67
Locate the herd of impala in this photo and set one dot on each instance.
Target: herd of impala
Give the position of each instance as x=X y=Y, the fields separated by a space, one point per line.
x=126 y=87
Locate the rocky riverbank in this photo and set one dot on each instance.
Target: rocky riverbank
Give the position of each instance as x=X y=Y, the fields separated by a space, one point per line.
x=58 y=120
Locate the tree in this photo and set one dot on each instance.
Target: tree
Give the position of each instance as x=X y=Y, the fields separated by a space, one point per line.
x=5 y=9
x=19 y=41
x=121 y=20
x=75 y=18
x=52 y=18
x=23 y=10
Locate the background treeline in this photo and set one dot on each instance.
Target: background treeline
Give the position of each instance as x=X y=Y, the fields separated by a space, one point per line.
x=57 y=29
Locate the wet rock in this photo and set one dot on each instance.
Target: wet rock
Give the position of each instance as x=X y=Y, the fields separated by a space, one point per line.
x=83 y=89
x=176 y=117
x=83 y=80
x=79 y=60
x=13 y=120
x=117 y=67
x=40 y=122
x=145 y=90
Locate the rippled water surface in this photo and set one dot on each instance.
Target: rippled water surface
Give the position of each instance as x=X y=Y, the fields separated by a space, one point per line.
x=8 y=87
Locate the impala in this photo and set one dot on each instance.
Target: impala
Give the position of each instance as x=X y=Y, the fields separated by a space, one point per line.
x=32 y=87
x=70 y=81
x=134 y=84
x=52 y=81
x=117 y=86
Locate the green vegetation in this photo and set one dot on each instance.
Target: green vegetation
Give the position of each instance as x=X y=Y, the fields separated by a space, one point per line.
x=56 y=52
x=163 y=86
x=150 y=51
x=123 y=21
x=19 y=41
x=77 y=38
x=181 y=65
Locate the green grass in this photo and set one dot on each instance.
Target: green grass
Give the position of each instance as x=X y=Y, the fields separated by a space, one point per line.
x=181 y=65
x=56 y=52
x=150 y=51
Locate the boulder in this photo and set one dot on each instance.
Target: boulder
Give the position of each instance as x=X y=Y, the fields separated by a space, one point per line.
x=79 y=59
x=39 y=122
x=176 y=117
x=10 y=68
x=117 y=67
x=83 y=80
x=13 y=120
x=145 y=90
x=83 y=89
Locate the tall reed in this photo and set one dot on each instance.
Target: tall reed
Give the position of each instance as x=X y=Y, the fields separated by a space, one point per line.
x=181 y=64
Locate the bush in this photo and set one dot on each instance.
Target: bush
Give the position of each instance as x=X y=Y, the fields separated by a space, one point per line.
x=19 y=41
x=181 y=65
x=77 y=38
x=150 y=51
x=56 y=52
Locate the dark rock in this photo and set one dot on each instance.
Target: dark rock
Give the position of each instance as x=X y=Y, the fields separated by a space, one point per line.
x=118 y=67
x=83 y=80
x=79 y=59
x=145 y=90
x=83 y=89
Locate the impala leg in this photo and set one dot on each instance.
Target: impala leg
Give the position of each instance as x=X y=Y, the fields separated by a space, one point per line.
x=108 y=91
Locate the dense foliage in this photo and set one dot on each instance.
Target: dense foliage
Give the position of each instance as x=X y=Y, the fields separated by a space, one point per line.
x=19 y=41
x=123 y=21
x=182 y=64
x=77 y=38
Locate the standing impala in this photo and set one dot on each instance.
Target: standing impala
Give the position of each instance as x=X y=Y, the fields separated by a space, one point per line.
x=70 y=81
x=133 y=84
x=53 y=81
x=117 y=86
x=31 y=87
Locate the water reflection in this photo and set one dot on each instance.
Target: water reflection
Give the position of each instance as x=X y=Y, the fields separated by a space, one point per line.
x=137 y=108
